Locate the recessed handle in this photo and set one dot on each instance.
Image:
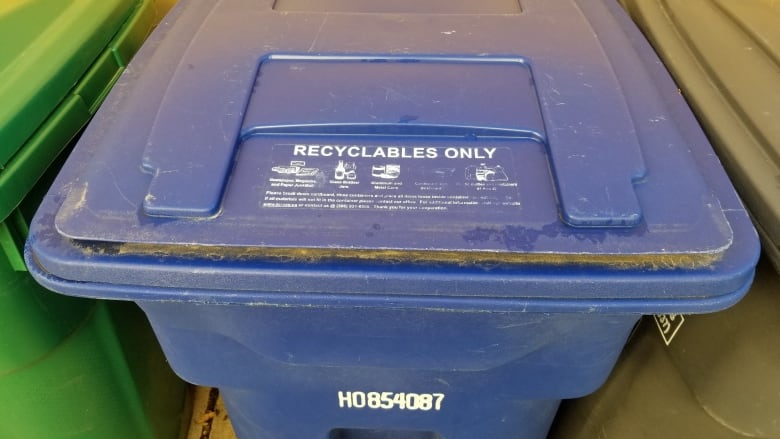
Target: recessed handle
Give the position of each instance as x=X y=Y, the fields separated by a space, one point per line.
x=200 y=126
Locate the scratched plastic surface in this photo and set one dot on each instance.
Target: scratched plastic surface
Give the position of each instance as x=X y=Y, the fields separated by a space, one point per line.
x=734 y=88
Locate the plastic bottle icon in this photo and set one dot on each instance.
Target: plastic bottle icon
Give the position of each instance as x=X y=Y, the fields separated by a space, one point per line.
x=340 y=170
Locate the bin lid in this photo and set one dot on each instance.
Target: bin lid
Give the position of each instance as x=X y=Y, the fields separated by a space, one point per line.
x=48 y=47
x=725 y=57
x=260 y=132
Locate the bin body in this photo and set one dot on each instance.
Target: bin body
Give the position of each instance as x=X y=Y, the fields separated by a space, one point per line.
x=720 y=370
x=64 y=370
x=422 y=219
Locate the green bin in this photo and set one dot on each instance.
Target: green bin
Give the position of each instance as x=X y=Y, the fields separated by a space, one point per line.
x=69 y=368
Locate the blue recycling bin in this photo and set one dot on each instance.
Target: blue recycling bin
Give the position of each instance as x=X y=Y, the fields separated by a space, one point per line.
x=425 y=220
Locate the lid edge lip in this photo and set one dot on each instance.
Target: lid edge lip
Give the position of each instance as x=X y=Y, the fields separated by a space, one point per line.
x=656 y=260
x=729 y=285
x=640 y=305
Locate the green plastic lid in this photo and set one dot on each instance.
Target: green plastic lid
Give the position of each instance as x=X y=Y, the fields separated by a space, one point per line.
x=57 y=61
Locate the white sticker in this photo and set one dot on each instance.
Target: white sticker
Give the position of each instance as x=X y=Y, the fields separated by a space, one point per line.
x=669 y=324
x=390 y=400
x=391 y=178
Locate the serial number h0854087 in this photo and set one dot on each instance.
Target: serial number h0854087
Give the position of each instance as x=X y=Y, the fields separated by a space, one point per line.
x=391 y=400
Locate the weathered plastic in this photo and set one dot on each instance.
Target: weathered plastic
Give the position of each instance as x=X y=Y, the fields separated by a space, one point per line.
x=398 y=220
x=724 y=55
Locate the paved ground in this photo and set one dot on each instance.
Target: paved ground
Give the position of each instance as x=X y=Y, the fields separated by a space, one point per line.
x=209 y=417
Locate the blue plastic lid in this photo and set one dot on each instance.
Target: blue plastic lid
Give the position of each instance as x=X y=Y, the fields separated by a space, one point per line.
x=397 y=137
